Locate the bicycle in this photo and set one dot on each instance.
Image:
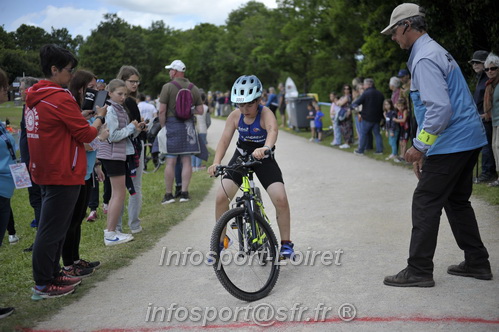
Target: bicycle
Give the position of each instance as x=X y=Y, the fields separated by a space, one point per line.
x=244 y=235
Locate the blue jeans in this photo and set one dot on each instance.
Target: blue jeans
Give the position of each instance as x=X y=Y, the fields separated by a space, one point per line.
x=196 y=162
x=337 y=132
x=367 y=127
x=394 y=141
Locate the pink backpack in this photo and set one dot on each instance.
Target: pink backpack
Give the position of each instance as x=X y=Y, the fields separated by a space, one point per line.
x=183 y=102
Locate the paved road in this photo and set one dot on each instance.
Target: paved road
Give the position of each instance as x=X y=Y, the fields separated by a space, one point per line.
x=354 y=207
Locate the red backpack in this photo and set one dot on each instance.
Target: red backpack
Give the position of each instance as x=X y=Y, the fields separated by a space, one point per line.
x=183 y=102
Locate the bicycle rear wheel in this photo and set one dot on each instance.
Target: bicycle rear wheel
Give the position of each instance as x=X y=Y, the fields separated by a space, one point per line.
x=248 y=268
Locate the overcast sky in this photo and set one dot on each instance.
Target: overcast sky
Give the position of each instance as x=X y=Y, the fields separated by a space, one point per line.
x=80 y=17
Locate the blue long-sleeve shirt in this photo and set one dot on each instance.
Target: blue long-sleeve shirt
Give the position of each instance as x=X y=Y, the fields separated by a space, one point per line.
x=443 y=104
x=272 y=100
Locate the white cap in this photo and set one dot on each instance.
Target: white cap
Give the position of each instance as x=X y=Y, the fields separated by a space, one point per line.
x=401 y=12
x=177 y=65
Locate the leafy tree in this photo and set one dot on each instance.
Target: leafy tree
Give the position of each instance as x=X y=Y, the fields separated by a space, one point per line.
x=114 y=43
x=7 y=40
x=20 y=63
x=196 y=51
x=161 y=48
x=30 y=38
x=63 y=38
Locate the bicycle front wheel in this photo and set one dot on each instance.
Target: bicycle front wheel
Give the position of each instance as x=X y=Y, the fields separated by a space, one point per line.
x=247 y=264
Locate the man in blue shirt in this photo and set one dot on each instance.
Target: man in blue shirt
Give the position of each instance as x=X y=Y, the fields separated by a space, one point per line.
x=449 y=138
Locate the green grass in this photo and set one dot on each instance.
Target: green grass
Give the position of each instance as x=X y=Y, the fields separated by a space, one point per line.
x=16 y=276
x=11 y=112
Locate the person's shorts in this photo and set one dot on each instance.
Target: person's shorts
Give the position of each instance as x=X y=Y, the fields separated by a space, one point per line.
x=114 y=167
x=318 y=129
x=282 y=110
x=404 y=135
x=268 y=172
x=177 y=155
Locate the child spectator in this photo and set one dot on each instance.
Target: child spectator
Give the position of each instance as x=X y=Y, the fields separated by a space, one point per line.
x=318 y=124
x=392 y=128
x=113 y=156
x=334 y=112
x=402 y=119
x=311 y=117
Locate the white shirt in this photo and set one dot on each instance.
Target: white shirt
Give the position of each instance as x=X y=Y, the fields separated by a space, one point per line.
x=147 y=111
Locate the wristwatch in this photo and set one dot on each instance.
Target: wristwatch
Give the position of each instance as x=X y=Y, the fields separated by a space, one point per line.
x=101 y=118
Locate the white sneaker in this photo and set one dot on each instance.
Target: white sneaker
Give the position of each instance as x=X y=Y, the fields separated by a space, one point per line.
x=120 y=234
x=345 y=146
x=13 y=239
x=114 y=238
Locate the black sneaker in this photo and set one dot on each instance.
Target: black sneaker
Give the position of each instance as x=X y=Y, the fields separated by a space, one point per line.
x=184 y=196
x=484 y=178
x=167 y=199
x=4 y=312
x=83 y=264
x=77 y=272
x=406 y=279
x=29 y=249
x=465 y=270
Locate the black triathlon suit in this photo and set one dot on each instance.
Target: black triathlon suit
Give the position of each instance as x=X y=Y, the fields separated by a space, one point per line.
x=251 y=137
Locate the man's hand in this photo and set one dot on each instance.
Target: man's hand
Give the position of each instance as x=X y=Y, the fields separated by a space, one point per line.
x=416 y=158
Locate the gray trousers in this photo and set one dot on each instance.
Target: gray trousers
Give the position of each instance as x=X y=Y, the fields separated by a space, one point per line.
x=135 y=201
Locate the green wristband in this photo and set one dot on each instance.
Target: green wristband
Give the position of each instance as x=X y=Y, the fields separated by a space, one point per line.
x=427 y=138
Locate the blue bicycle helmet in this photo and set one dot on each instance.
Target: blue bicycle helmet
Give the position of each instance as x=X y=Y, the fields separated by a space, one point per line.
x=246 y=89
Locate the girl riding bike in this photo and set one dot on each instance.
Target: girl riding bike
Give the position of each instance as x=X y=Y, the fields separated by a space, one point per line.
x=258 y=129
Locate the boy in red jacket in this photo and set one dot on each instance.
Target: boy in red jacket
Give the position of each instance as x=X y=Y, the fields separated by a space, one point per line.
x=56 y=131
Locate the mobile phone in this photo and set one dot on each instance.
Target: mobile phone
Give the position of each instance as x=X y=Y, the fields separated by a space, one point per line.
x=100 y=99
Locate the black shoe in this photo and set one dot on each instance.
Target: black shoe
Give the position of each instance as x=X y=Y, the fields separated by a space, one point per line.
x=4 y=312
x=405 y=279
x=29 y=249
x=464 y=270
x=184 y=196
x=167 y=199
x=484 y=178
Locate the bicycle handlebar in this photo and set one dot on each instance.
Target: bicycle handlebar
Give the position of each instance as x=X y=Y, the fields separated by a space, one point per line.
x=248 y=162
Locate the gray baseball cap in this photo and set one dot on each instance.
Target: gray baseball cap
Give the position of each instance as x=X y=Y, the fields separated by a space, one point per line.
x=401 y=12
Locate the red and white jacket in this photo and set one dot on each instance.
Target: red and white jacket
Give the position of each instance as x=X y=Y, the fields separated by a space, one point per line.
x=56 y=131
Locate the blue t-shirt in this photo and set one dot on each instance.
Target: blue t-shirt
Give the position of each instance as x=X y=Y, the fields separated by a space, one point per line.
x=318 y=119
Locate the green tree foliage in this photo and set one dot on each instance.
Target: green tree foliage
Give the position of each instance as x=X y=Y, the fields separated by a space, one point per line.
x=30 y=38
x=321 y=44
x=161 y=48
x=114 y=43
